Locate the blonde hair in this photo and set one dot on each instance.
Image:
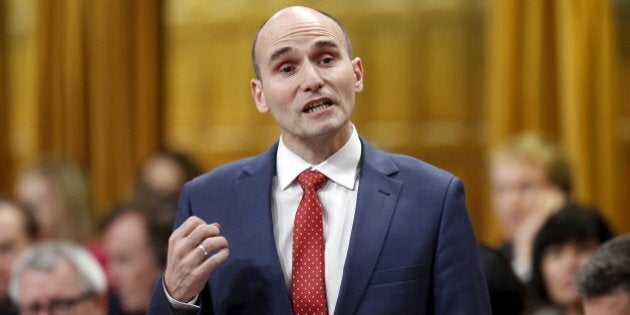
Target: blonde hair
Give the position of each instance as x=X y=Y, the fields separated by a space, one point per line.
x=71 y=184
x=532 y=148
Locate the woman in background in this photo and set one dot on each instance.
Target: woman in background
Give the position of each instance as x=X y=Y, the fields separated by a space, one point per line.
x=59 y=195
x=530 y=179
x=564 y=243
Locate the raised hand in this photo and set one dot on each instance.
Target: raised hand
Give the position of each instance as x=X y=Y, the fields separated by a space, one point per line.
x=549 y=199
x=189 y=262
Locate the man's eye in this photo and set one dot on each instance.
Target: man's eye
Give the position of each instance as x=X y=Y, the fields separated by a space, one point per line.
x=327 y=60
x=286 y=69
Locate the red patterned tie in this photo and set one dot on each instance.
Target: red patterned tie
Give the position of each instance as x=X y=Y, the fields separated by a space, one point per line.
x=308 y=290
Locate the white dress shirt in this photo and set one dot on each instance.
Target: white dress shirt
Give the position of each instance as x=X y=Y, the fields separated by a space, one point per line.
x=338 y=197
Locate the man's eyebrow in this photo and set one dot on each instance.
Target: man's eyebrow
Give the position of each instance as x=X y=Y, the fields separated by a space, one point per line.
x=276 y=54
x=326 y=43
x=285 y=50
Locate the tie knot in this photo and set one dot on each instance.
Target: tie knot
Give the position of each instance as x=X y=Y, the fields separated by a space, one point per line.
x=311 y=179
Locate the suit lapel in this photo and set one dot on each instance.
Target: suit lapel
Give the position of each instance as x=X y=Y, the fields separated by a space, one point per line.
x=253 y=198
x=376 y=201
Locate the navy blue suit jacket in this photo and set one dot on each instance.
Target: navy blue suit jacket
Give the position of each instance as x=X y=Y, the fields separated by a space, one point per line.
x=412 y=248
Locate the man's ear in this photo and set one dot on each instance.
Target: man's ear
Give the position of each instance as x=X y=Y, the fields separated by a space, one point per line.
x=357 y=68
x=259 y=96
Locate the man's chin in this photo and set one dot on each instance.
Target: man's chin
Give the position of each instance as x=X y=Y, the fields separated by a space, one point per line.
x=329 y=128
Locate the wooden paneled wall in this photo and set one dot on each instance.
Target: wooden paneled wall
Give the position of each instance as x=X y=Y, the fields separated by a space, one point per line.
x=5 y=177
x=85 y=87
x=104 y=82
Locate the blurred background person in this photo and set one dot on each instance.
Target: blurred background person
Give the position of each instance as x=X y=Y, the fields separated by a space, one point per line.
x=135 y=239
x=57 y=277
x=59 y=195
x=163 y=174
x=604 y=282
x=18 y=230
x=564 y=243
x=530 y=179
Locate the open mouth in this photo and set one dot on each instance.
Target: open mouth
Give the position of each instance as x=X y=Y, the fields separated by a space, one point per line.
x=317 y=106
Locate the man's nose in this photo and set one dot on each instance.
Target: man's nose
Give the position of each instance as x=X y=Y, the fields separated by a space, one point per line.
x=311 y=78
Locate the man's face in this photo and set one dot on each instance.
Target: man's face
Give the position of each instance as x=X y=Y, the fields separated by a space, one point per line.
x=307 y=79
x=13 y=240
x=615 y=303
x=163 y=176
x=57 y=291
x=132 y=265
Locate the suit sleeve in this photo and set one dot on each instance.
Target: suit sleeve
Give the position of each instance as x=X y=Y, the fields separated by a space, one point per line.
x=459 y=286
x=159 y=303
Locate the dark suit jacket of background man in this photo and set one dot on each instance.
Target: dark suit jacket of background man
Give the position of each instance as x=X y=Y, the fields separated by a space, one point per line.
x=412 y=248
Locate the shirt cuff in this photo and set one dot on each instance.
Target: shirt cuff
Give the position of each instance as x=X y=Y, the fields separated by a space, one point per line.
x=190 y=306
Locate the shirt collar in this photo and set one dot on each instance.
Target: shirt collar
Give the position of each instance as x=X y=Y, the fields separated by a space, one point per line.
x=341 y=167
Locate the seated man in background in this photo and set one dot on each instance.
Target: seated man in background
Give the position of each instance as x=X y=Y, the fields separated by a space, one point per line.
x=18 y=230
x=135 y=239
x=58 y=278
x=604 y=282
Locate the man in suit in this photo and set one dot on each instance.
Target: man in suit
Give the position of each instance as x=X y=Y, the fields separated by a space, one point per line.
x=323 y=222
x=604 y=282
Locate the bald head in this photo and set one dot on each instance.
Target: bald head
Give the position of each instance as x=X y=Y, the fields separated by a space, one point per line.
x=294 y=13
